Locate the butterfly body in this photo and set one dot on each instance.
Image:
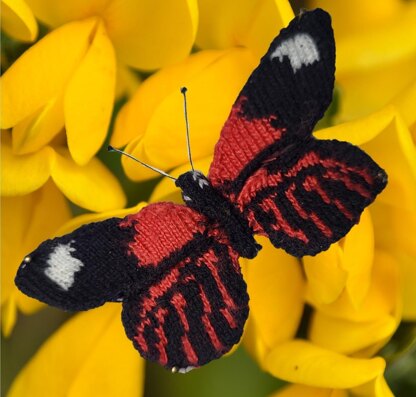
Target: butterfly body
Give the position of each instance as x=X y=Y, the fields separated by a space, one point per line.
x=175 y=267
x=199 y=194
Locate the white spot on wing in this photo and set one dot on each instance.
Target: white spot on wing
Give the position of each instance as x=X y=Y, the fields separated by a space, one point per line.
x=300 y=49
x=62 y=266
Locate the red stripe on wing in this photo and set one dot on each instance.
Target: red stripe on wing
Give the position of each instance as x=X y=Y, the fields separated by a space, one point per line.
x=207 y=323
x=320 y=224
x=189 y=351
x=179 y=303
x=346 y=180
x=261 y=179
x=311 y=158
x=229 y=317
x=211 y=333
x=209 y=259
x=268 y=205
x=159 y=331
x=296 y=205
x=311 y=183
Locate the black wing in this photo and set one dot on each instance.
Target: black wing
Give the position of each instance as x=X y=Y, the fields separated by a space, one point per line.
x=281 y=102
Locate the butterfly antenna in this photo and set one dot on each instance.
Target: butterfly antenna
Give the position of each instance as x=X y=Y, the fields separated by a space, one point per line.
x=188 y=141
x=113 y=149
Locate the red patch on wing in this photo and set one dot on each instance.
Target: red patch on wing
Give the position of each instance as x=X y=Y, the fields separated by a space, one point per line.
x=162 y=228
x=240 y=141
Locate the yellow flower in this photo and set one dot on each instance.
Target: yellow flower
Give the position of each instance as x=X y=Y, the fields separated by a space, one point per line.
x=88 y=356
x=275 y=308
x=68 y=78
x=326 y=373
x=376 y=54
x=155 y=112
x=17 y=20
x=342 y=340
x=91 y=186
x=25 y=222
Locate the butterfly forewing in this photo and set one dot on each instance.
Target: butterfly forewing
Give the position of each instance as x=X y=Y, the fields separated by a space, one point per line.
x=281 y=102
x=81 y=270
x=313 y=196
x=195 y=309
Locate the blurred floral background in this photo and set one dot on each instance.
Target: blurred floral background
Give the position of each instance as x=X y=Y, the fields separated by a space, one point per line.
x=78 y=75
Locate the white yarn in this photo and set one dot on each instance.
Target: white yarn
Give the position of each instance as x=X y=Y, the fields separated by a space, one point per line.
x=62 y=266
x=300 y=49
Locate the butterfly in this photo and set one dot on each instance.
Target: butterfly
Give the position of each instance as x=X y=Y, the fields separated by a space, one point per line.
x=175 y=267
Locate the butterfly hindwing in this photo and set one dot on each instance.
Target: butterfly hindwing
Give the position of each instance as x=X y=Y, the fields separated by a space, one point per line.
x=281 y=102
x=193 y=314
x=312 y=196
x=192 y=306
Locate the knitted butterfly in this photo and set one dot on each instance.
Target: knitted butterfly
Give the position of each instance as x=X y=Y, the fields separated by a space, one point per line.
x=175 y=267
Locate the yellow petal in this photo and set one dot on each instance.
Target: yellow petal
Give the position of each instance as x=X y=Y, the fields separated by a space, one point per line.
x=358 y=248
x=91 y=186
x=148 y=35
x=399 y=161
x=252 y=24
x=395 y=228
x=275 y=310
x=89 y=98
x=362 y=130
x=58 y=13
x=326 y=277
x=166 y=190
x=408 y=269
x=23 y=174
x=272 y=16
x=299 y=361
x=28 y=222
x=345 y=18
x=78 y=221
x=308 y=391
x=41 y=73
x=8 y=316
x=376 y=388
x=344 y=336
x=382 y=298
x=89 y=355
x=405 y=104
x=134 y=117
x=394 y=223
x=207 y=108
x=370 y=49
x=127 y=83
x=18 y=21
x=347 y=263
x=37 y=130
